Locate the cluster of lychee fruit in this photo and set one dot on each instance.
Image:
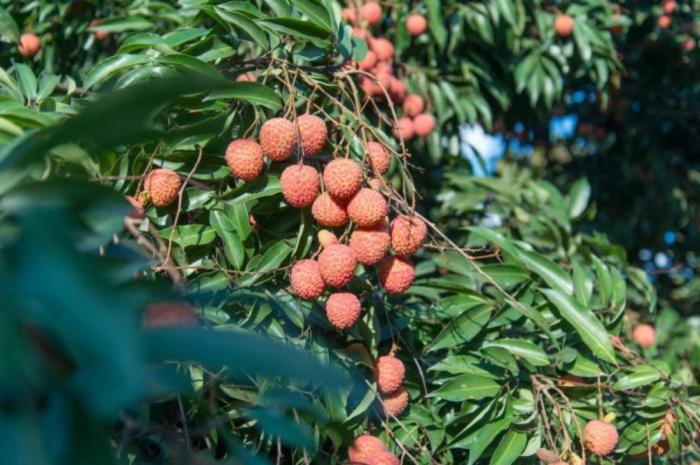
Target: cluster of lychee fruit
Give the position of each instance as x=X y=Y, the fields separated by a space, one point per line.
x=369 y=450
x=668 y=7
x=390 y=373
x=381 y=80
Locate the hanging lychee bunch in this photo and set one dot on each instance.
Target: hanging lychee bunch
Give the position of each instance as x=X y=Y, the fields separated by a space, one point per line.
x=390 y=373
x=369 y=450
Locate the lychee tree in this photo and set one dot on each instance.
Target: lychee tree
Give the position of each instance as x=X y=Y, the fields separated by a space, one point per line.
x=236 y=188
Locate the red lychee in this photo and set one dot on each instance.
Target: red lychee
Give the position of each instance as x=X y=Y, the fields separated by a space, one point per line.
x=299 y=185
x=329 y=212
x=689 y=44
x=342 y=178
x=370 y=87
x=370 y=245
x=343 y=310
x=413 y=105
x=313 y=133
x=669 y=6
x=29 y=44
x=408 y=234
x=245 y=77
x=383 y=68
x=378 y=157
x=424 y=124
x=416 y=24
x=99 y=35
x=368 y=61
x=278 y=138
x=245 y=159
x=326 y=238
x=349 y=15
x=644 y=335
x=395 y=404
x=404 y=128
x=397 y=90
x=664 y=21
x=163 y=186
x=390 y=373
x=367 y=208
x=564 y=25
x=396 y=274
x=363 y=449
x=169 y=314
x=337 y=263
x=306 y=279
x=371 y=12
x=599 y=437
x=385 y=458
x=383 y=48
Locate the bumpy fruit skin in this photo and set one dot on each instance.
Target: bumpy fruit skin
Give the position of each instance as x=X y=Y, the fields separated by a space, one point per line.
x=313 y=133
x=371 y=12
x=306 y=279
x=245 y=159
x=397 y=90
x=424 y=124
x=408 y=235
x=390 y=373
x=300 y=185
x=599 y=437
x=416 y=24
x=644 y=335
x=337 y=263
x=383 y=48
x=342 y=178
x=664 y=21
x=404 y=128
x=413 y=105
x=343 y=310
x=370 y=245
x=163 y=186
x=396 y=274
x=564 y=25
x=29 y=44
x=326 y=238
x=395 y=404
x=378 y=157
x=368 y=61
x=278 y=138
x=367 y=208
x=385 y=458
x=363 y=449
x=169 y=314
x=370 y=87
x=349 y=15
x=329 y=212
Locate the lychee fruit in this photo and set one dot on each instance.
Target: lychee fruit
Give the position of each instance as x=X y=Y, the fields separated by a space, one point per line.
x=364 y=448
x=383 y=68
x=342 y=178
x=306 y=280
x=667 y=424
x=328 y=211
x=644 y=335
x=163 y=186
x=278 y=138
x=404 y=128
x=245 y=77
x=367 y=208
x=337 y=263
x=408 y=234
x=29 y=44
x=416 y=24
x=424 y=124
x=397 y=90
x=689 y=44
x=368 y=61
x=413 y=105
x=375 y=184
x=349 y=15
x=383 y=48
x=326 y=238
x=378 y=157
x=664 y=21
x=99 y=35
x=395 y=404
x=299 y=185
x=390 y=373
x=313 y=133
x=343 y=310
x=371 y=12
x=396 y=274
x=245 y=159
x=669 y=6
x=361 y=33
x=564 y=25
x=370 y=87
x=385 y=458
x=169 y=314
x=370 y=245
x=599 y=437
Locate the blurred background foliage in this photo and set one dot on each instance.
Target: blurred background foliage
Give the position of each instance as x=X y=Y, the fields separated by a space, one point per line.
x=563 y=171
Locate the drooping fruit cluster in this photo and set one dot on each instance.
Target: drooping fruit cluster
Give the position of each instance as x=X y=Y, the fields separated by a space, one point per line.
x=369 y=450
x=600 y=437
x=390 y=373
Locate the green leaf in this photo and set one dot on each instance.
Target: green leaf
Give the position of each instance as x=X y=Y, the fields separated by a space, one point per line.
x=273 y=257
x=467 y=387
x=435 y=22
x=641 y=375
x=578 y=198
x=9 y=30
x=27 y=81
x=315 y=11
x=226 y=230
x=546 y=269
x=587 y=325
x=132 y=23
x=509 y=448
x=111 y=66
x=252 y=92
x=522 y=348
x=485 y=436
x=298 y=28
x=189 y=235
x=463 y=328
